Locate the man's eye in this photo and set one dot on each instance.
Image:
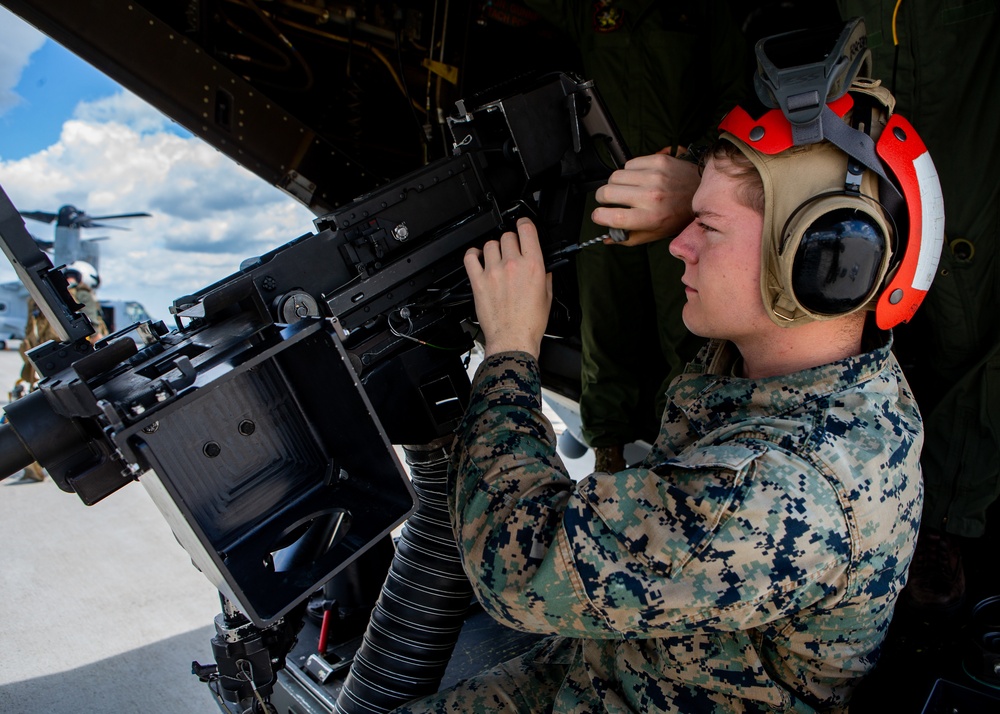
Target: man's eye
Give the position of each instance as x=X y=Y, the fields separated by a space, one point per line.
x=705 y=227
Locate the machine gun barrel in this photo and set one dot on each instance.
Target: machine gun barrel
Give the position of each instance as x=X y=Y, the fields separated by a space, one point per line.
x=13 y=454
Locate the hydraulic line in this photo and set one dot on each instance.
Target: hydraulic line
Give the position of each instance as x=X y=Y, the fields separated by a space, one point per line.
x=419 y=614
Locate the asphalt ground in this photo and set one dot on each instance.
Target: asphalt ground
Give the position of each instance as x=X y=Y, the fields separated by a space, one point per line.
x=104 y=610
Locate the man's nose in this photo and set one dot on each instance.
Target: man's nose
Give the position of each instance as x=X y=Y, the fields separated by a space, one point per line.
x=681 y=246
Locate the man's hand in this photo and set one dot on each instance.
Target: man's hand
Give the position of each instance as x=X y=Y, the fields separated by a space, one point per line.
x=650 y=197
x=512 y=291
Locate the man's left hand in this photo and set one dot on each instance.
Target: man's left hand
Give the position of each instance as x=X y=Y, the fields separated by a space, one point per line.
x=650 y=197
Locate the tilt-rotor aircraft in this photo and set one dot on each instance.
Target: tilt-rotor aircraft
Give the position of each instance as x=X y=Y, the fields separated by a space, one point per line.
x=67 y=247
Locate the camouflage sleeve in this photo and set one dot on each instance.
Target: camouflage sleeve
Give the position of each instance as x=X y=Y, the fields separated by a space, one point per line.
x=716 y=539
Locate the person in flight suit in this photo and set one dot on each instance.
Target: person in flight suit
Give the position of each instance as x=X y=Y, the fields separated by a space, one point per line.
x=83 y=281
x=668 y=71
x=753 y=559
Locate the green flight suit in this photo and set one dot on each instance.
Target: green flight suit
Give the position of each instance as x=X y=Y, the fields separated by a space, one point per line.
x=668 y=72
x=947 y=83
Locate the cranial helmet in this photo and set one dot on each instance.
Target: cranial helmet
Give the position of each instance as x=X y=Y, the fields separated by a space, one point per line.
x=853 y=212
x=85 y=274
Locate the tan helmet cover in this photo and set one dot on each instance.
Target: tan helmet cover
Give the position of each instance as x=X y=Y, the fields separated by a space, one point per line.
x=812 y=181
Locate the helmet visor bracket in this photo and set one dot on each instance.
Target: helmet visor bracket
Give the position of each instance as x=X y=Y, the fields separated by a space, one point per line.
x=797 y=74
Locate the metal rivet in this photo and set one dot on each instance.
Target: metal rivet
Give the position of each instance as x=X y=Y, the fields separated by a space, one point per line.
x=896 y=296
x=899 y=133
x=247 y=427
x=963 y=249
x=211 y=450
x=757 y=133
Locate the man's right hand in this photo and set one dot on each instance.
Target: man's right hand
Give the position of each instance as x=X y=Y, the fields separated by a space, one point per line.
x=650 y=197
x=512 y=291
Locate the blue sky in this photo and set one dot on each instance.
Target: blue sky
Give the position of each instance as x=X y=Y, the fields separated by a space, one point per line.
x=70 y=135
x=52 y=83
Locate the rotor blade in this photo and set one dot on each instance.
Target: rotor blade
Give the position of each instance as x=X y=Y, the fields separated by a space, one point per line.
x=119 y=215
x=40 y=216
x=91 y=224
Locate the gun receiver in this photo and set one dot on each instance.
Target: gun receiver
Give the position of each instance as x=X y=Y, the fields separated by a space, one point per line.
x=262 y=423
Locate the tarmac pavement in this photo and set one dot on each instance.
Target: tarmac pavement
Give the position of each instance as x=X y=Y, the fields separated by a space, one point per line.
x=105 y=611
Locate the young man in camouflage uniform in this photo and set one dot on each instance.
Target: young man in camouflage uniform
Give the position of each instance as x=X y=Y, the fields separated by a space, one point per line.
x=752 y=561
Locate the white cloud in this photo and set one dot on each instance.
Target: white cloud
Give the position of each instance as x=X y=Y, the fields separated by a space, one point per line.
x=18 y=41
x=122 y=108
x=118 y=155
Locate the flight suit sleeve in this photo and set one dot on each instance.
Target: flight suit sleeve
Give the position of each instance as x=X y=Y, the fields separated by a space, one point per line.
x=707 y=541
x=729 y=71
x=564 y=14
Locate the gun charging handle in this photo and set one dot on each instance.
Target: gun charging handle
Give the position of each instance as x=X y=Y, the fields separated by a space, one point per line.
x=558 y=258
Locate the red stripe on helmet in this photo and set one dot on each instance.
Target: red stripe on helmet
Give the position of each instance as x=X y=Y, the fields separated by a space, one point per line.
x=773 y=131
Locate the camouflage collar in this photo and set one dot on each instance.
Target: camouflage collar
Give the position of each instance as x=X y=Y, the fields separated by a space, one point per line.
x=712 y=398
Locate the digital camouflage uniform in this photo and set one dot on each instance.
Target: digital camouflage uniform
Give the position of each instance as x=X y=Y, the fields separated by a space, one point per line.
x=751 y=563
x=668 y=71
x=947 y=82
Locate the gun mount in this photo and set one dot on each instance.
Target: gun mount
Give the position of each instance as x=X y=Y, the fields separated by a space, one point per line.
x=262 y=422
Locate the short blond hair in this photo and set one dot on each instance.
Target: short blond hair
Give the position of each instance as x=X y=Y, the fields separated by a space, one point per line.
x=734 y=163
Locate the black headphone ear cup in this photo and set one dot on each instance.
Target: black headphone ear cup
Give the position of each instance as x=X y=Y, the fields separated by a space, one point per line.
x=839 y=262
